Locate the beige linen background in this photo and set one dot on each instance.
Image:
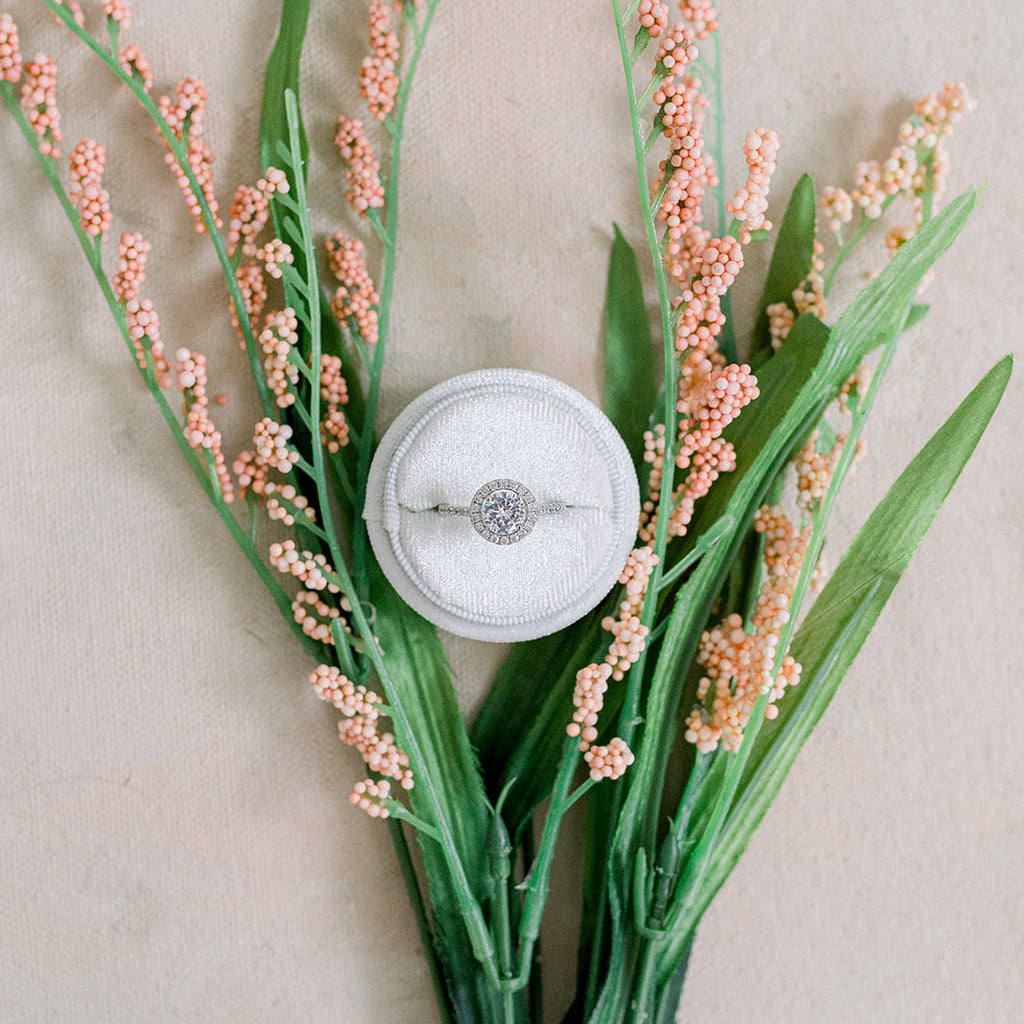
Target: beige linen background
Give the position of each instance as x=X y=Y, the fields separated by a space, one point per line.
x=175 y=839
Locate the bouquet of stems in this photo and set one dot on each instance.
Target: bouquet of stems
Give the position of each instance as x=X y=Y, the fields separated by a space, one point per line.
x=674 y=710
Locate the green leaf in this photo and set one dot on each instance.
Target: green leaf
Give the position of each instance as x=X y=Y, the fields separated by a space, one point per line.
x=879 y=310
x=765 y=435
x=630 y=387
x=282 y=73
x=421 y=684
x=520 y=729
x=917 y=313
x=843 y=615
x=790 y=264
x=419 y=666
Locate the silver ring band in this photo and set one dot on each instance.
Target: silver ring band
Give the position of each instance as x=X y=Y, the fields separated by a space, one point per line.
x=503 y=511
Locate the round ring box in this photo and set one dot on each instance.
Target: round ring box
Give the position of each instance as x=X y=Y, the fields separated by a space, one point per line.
x=510 y=425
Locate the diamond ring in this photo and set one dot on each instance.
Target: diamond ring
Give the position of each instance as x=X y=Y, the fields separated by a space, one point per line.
x=502 y=511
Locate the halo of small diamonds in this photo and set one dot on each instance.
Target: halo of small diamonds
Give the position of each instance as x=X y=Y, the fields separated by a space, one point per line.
x=503 y=511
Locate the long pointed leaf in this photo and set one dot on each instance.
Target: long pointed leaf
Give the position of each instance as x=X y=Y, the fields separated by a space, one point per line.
x=877 y=314
x=421 y=683
x=844 y=614
x=282 y=72
x=791 y=263
x=630 y=387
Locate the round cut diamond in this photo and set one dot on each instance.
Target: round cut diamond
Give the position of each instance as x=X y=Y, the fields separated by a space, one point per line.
x=503 y=511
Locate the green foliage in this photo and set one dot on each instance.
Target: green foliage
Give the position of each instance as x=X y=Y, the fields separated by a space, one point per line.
x=917 y=313
x=843 y=615
x=520 y=729
x=282 y=73
x=797 y=384
x=630 y=388
x=448 y=784
x=647 y=883
x=790 y=264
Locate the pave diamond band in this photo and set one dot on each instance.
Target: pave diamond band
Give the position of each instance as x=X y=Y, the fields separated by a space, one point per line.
x=502 y=511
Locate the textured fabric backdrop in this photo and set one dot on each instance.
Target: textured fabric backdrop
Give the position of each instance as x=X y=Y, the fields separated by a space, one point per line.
x=175 y=838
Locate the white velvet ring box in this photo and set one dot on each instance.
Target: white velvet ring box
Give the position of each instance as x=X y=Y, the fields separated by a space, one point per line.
x=502 y=424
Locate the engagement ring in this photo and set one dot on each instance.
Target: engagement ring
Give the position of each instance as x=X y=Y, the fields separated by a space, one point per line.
x=502 y=511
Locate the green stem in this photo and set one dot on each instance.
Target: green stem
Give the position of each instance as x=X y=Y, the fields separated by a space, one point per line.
x=400 y=811
x=652 y=88
x=317 y=471
x=863 y=227
x=708 y=539
x=368 y=439
x=671 y=371
x=537 y=884
x=680 y=920
x=113 y=34
x=480 y=938
x=727 y=339
x=341 y=475
x=345 y=650
x=677 y=843
x=179 y=150
x=419 y=908
x=643 y=1001
x=199 y=468
x=355 y=336
x=718 y=148
x=629 y=716
x=535 y=984
x=928 y=198
x=674 y=851
x=504 y=937
x=440 y=828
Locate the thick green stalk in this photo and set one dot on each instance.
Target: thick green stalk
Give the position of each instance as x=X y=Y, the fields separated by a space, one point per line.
x=650 y=916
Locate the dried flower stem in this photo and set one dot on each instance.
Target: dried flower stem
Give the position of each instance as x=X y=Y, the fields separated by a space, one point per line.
x=201 y=468
x=178 y=147
x=386 y=231
x=865 y=225
x=671 y=365
x=439 y=828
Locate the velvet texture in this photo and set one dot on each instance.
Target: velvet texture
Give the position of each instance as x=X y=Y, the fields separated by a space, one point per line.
x=502 y=424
